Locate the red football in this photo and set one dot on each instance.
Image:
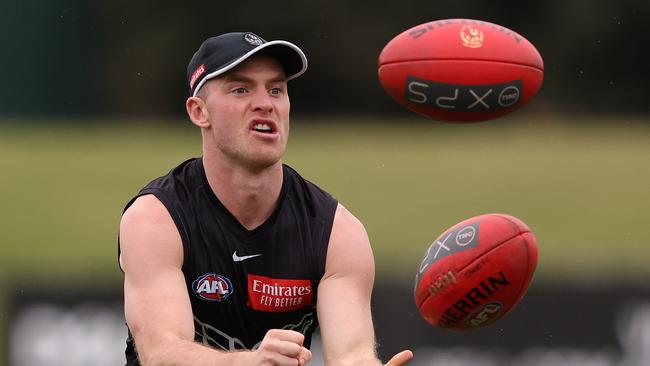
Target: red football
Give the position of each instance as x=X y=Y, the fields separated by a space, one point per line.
x=460 y=70
x=476 y=272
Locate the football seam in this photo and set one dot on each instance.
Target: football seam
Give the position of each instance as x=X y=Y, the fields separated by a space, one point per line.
x=536 y=67
x=495 y=247
x=521 y=290
x=529 y=274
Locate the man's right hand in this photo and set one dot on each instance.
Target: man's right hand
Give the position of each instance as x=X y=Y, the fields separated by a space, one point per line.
x=282 y=348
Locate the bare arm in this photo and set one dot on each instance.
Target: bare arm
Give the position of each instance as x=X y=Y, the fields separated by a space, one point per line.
x=344 y=297
x=157 y=305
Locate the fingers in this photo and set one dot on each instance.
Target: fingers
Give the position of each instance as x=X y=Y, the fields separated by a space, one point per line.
x=285 y=342
x=286 y=335
x=401 y=358
x=283 y=347
x=304 y=356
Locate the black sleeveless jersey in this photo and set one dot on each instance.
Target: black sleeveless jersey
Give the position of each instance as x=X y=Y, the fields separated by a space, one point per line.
x=241 y=282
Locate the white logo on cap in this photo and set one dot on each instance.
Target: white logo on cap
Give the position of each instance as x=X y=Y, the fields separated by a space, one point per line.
x=253 y=39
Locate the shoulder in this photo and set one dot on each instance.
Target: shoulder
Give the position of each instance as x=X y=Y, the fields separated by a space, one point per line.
x=345 y=223
x=349 y=247
x=147 y=228
x=145 y=210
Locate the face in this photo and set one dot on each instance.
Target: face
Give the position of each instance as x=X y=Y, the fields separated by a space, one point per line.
x=248 y=113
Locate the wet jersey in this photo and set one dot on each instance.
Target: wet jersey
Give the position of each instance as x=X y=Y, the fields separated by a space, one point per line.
x=241 y=282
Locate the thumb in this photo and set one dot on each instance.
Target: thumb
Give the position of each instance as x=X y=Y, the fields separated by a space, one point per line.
x=400 y=359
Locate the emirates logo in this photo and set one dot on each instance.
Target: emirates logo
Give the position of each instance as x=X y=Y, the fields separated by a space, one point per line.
x=278 y=294
x=471 y=37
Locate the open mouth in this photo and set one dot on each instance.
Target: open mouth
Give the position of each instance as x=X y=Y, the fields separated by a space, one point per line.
x=263 y=128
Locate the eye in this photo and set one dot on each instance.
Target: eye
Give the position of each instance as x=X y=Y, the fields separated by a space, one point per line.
x=240 y=90
x=276 y=91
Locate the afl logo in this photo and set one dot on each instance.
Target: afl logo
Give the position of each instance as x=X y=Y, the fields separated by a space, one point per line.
x=212 y=287
x=471 y=37
x=484 y=315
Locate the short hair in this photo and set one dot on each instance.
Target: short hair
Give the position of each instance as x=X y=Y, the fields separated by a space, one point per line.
x=202 y=94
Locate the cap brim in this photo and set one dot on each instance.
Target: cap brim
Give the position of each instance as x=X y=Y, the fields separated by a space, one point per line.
x=290 y=56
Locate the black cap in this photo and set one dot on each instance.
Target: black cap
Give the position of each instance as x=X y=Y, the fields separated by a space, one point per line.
x=221 y=53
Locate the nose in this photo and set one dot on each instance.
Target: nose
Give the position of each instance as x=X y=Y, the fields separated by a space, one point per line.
x=262 y=101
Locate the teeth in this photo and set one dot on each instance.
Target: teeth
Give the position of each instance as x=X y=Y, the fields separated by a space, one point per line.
x=262 y=127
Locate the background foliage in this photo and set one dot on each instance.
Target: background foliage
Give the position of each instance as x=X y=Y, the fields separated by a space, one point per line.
x=78 y=57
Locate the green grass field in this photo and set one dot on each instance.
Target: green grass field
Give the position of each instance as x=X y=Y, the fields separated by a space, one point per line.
x=582 y=186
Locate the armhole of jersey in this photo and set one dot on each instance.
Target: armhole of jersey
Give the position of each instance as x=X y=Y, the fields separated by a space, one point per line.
x=322 y=249
x=172 y=212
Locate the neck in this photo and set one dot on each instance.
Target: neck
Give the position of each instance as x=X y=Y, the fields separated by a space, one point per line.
x=249 y=194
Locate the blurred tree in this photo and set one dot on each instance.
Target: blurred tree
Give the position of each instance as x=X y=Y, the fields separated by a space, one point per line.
x=79 y=57
x=49 y=58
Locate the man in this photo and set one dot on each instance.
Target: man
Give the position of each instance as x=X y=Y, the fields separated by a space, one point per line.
x=233 y=258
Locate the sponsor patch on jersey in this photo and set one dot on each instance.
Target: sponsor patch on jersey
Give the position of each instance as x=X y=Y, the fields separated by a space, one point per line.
x=277 y=294
x=212 y=287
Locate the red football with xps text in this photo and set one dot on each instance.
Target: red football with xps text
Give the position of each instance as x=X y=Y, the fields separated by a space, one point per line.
x=460 y=70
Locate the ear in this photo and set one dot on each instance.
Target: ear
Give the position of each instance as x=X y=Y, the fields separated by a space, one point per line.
x=198 y=112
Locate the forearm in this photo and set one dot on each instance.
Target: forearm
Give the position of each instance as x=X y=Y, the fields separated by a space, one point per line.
x=182 y=352
x=350 y=353
x=354 y=360
x=279 y=347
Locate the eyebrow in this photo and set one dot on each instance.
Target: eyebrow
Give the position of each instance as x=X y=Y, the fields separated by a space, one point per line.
x=235 y=77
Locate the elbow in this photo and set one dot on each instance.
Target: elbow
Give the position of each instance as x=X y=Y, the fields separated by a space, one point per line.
x=154 y=356
x=149 y=356
x=153 y=352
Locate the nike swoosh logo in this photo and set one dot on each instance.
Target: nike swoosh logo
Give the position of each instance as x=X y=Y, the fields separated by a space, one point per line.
x=237 y=258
